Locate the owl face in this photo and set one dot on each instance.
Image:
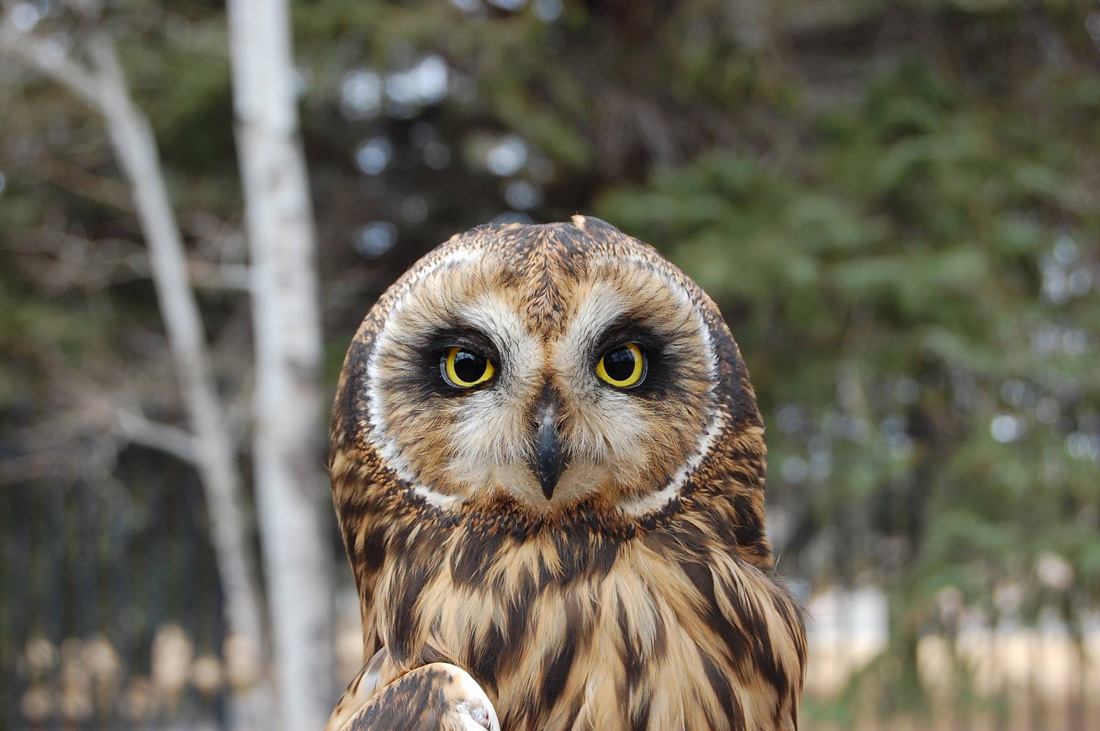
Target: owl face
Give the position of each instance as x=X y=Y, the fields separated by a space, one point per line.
x=544 y=365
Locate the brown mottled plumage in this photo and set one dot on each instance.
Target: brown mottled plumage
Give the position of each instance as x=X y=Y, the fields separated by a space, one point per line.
x=622 y=582
x=434 y=697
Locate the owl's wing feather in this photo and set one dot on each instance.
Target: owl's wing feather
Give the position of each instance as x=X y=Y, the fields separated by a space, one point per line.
x=761 y=625
x=434 y=697
x=377 y=672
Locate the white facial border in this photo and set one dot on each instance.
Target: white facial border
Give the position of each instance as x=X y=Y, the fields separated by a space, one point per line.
x=379 y=436
x=634 y=507
x=654 y=502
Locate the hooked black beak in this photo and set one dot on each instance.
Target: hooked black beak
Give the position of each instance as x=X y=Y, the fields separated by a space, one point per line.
x=548 y=458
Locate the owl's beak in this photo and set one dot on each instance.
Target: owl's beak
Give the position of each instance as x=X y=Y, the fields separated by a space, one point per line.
x=548 y=464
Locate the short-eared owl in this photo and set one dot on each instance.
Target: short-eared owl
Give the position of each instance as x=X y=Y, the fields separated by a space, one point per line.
x=548 y=466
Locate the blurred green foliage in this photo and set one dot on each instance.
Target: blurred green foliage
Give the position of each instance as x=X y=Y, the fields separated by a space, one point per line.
x=904 y=245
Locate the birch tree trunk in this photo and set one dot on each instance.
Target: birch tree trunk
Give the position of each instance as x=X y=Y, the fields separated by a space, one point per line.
x=290 y=490
x=136 y=150
x=103 y=87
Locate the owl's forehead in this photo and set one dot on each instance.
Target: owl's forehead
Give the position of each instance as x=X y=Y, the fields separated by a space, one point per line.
x=546 y=280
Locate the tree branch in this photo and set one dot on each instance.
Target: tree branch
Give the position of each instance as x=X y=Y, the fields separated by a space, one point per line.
x=52 y=62
x=138 y=429
x=79 y=181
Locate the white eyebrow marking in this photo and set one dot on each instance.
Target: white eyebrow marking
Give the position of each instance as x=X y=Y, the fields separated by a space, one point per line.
x=493 y=316
x=600 y=308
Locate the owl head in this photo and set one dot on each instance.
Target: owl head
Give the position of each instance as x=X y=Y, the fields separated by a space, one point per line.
x=545 y=367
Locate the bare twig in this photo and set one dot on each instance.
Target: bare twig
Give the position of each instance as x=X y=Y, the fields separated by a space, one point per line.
x=79 y=181
x=53 y=63
x=208 y=275
x=164 y=437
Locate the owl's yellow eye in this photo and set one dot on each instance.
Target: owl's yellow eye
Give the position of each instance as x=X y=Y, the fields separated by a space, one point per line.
x=464 y=369
x=622 y=367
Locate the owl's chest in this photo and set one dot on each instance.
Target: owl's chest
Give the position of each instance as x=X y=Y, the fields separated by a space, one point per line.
x=490 y=603
x=611 y=635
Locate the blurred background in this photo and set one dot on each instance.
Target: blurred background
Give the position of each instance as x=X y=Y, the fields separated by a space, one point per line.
x=896 y=205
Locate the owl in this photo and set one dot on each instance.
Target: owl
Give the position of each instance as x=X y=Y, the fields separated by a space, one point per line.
x=548 y=466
